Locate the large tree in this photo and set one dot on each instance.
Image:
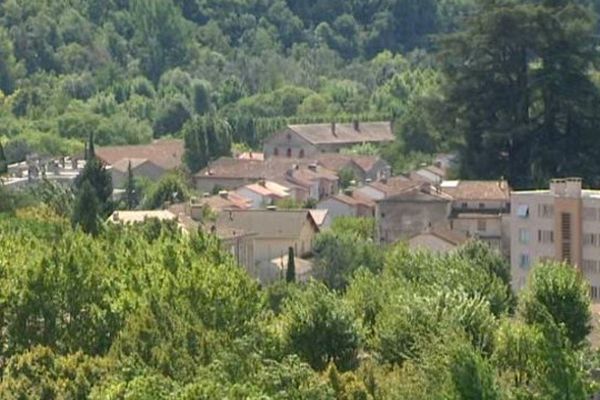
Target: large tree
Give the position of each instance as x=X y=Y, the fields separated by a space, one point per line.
x=519 y=93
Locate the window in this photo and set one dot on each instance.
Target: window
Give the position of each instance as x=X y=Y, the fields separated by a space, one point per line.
x=523 y=211
x=523 y=236
x=481 y=225
x=301 y=154
x=289 y=153
x=524 y=261
x=545 y=236
x=594 y=292
x=590 y=239
x=464 y=205
x=276 y=152
x=545 y=210
x=481 y=205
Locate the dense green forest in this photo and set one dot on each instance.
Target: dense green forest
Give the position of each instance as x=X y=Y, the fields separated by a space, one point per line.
x=509 y=84
x=146 y=312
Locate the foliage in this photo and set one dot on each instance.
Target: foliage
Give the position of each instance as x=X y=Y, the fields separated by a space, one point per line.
x=361 y=227
x=290 y=272
x=559 y=290
x=171 y=188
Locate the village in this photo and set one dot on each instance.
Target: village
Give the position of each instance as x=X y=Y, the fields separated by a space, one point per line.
x=263 y=204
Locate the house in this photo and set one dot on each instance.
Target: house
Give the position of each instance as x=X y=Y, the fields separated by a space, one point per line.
x=264 y=193
x=139 y=167
x=238 y=243
x=151 y=160
x=364 y=168
x=480 y=209
x=347 y=205
x=318 y=181
x=223 y=201
x=409 y=213
x=35 y=169
x=430 y=174
x=306 y=141
x=561 y=223
x=276 y=230
x=438 y=240
x=387 y=187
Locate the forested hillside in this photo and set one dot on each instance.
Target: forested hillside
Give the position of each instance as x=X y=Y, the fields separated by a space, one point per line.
x=131 y=70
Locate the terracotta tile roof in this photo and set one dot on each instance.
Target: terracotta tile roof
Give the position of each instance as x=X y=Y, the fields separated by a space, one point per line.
x=228 y=201
x=345 y=133
x=477 y=190
x=419 y=194
x=123 y=165
x=267 y=223
x=167 y=154
x=269 y=188
x=337 y=162
x=453 y=237
x=395 y=185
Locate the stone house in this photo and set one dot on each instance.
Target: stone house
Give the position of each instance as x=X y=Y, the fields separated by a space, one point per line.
x=306 y=141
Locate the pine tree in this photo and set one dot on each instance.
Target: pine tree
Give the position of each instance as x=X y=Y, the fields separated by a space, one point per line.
x=290 y=275
x=130 y=193
x=87 y=210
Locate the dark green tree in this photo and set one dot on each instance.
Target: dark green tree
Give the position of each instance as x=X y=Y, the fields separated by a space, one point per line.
x=519 y=91
x=558 y=290
x=290 y=273
x=130 y=189
x=87 y=209
x=3 y=162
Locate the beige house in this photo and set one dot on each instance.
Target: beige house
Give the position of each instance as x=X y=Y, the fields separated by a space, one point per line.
x=306 y=141
x=274 y=270
x=150 y=160
x=562 y=223
x=276 y=230
x=264 y=193
x=385 y=188
x=409 y=213
x=364 y=168
x=437 y=240
x=345 y=205
x=480 y=209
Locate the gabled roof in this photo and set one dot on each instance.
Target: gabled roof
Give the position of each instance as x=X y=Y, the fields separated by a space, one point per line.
x=123 y=165
x=477 y=190
x=452 y=237
x=337 y=162
x=167 y=154
x=225 y=201
x=345 y=133
x=419 y=194
x=283 y=224
x=395 y=185
x=268 y=188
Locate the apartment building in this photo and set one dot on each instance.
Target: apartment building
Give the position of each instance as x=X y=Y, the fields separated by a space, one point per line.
x=562 y=223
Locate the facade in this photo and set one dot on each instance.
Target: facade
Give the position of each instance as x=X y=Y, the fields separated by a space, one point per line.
x=276 y=231
x=307 y=141
x=264 y=193
x=408 y=214
x=480 y=209
x=563 y=224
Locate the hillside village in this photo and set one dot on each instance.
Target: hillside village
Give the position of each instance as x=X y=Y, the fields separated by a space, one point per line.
x=237 y=199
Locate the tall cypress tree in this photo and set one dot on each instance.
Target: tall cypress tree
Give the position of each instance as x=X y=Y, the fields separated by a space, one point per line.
x=3 y=161
x=290 y=273
x=87 y=210
x=130 y=193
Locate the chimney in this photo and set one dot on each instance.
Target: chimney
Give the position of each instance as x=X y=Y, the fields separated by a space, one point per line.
x=312 y=167
x=224 y=194
x=356 y=124
x=384 y=180
x=115 y=216
x=262 y=183
x=333 y=132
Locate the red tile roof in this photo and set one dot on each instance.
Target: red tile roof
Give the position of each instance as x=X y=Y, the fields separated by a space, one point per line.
x=477 y=190
x=167 y=154
x=345 y=133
